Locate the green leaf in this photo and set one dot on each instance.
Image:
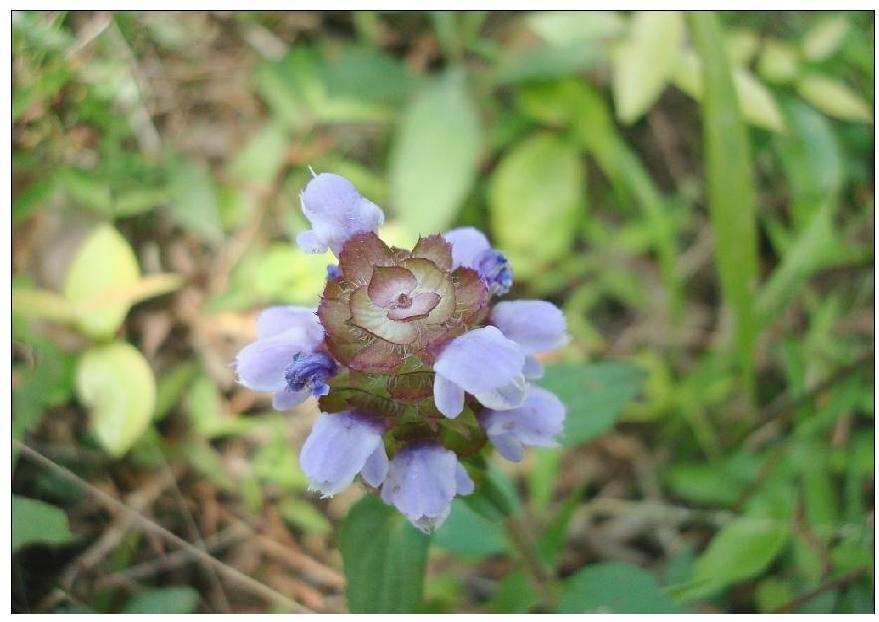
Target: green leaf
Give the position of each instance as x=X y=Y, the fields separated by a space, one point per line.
x=263 y=156
x=778 y=62
x=434 y=155
x=742 y=549
x=536 y=196
x=163 y=600
x=565 y=27
x=825 y=37
x=117 y=384
x=194 y=201
x=171 y=386
x=544 y=62
x=731 y=195
x=103 y=265
x=368 y=73
x=594 y=394
x=37 y=522
x=40 y=303
x=834 y=98
x=615 y=587
x=384 y=558
x=756 y=103
x=643 y=63
x=469 y=534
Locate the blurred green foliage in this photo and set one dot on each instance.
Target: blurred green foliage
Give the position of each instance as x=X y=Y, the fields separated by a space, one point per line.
x=696 y=191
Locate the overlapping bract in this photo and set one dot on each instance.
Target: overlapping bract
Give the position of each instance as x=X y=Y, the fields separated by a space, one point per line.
x=414 y=369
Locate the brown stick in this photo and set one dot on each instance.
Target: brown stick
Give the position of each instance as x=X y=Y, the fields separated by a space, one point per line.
x=238 y=577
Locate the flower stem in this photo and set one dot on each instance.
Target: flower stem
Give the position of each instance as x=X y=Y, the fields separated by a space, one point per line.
x=537 y=572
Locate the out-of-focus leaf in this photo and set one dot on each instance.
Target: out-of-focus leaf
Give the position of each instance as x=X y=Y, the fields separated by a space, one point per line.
x=537 y=187
x=104 y=263
x=514 y=594
x=778 y=62
x=812 y=160
x=467 y=533
x=714 y=484
x=741 y=46
x=643 y=62
x=87 y=189
x=772 y=593
x=434 y=155
x=594 y=394
x=171 y=386
x=304 y=516
x=263 y=156
x=37 y=522
x=40 y=303
x=208 y=413
x=731 y=195
x=277 y=463
x=740 y=550
x=565 y=27
x=370 y=74
x=384 y=559
x=194 y=201
x=48 y=383
x=545 y=62
x=36 y=194
x=755 y=102
x=834 y=98
x=615 y=587
x=825 y=37
x=117 y=385
x=179 y=599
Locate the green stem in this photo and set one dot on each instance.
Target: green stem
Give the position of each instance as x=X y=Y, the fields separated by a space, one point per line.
x=535 y=569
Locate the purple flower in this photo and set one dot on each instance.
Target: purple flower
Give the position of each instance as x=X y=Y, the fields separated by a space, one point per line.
x=333 y=271
x=422 y=481
x=311 y=371
x=537 y=422
x=536 y=325
x=471 y=249
x=340 y=446
x=283 y=334
x=336 y=212
x=485 y=364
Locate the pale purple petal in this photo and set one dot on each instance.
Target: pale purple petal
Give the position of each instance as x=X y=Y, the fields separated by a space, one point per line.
x=261 y=364
x=275 y=320
x=480 y=361
x=464 y=485
x=336 y=212
x=285 y=399
x=468 y=244
x=337 y=450
x=533 y=368
x=537 y=422
x=448 y=397
x=510 y=395
x=309 y=242
x=508 y=446
x=536 y=325
x=376 y=468
x=421 y=483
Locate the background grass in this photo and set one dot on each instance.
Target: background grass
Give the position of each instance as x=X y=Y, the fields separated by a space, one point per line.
x=696 y=191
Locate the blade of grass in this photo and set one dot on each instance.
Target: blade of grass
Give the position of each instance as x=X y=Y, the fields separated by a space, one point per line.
x=731 y=195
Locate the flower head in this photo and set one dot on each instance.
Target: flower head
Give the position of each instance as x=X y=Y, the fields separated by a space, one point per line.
x=414 y=370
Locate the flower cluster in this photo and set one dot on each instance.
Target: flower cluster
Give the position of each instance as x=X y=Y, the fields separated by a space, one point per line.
x=414 y=368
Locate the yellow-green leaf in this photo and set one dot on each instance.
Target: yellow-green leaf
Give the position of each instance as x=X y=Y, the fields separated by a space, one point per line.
x=41 y=303
x=755 y=101
x=778 y=62
x=825 y=37
x=834 y=98
x=537 y=189
x=643 y=63
x=118 y=386
x=104 y=263
x=35 y=521
x=567 y=27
